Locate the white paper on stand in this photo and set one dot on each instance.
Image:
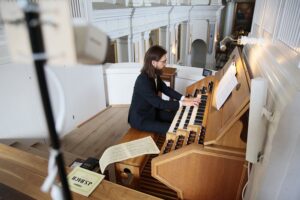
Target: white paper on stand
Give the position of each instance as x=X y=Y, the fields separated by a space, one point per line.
x=232 y=68
x=127 y=150
x=226 y=85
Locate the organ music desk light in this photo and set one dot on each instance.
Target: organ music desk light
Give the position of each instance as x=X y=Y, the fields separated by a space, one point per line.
x=240 y=41
x=41 y=33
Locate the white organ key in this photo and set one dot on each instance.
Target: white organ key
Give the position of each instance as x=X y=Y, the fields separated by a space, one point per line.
x=194 y=113
x=182 y=121
x=172 y=127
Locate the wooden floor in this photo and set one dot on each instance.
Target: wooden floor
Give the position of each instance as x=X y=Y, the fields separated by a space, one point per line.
x=94 y=136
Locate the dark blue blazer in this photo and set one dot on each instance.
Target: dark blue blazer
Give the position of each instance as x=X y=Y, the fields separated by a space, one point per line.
x=145 y=100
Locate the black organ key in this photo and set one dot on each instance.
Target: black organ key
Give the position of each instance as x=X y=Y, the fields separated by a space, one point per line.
x=180 y=141
x=181 y=137
x=203 y=91
x=196 y=92
x=202 y=136
x=201 y=109
x=191 y=137
x=168 y=146
x=192 y=133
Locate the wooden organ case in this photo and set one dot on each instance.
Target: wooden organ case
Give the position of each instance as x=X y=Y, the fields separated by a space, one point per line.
x=203 y=156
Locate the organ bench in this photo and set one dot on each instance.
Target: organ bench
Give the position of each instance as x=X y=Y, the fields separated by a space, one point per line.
x=128 y=172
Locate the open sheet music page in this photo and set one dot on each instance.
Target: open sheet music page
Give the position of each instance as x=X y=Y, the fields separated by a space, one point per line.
x=127 y=150
x=226 y=85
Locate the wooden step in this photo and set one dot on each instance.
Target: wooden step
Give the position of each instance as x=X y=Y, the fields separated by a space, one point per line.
x=30 y=149
x=68 y=157
x=42 y=150
x=41 y=146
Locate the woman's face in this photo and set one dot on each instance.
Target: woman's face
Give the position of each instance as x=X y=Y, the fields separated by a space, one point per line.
x=161 y=63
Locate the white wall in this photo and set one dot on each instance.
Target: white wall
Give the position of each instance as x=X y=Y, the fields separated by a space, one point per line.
x=84 y=91
x=277 y=59
x=199 y=29
x=119 y=81
x=21 y=111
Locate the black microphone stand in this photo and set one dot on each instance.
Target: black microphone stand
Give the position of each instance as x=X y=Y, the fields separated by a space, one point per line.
x=33 y=22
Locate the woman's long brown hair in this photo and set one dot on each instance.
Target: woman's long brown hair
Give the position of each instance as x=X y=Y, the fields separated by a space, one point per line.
x=153 y=53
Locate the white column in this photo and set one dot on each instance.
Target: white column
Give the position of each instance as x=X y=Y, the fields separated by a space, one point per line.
x=163 y=36
x=136 y=46
x=172 y=46
x=189 y=41
x=136 y=51
x=211 y=45
x=146 y=39
x=211 y=36
x=230 y=7
x=130 y=49
x=183 y=42
x=141 y=48
x=122 y=49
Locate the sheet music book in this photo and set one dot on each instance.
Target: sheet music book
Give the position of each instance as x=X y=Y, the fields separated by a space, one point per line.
x=226 y=85
x=83 y=181
x=127 y=150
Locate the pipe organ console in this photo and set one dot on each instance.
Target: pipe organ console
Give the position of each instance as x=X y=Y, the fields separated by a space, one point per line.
x=203 y=156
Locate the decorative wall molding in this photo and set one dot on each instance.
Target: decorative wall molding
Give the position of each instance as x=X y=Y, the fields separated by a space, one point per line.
x=216 y=2
x=183 y=2
x=179 y=14
x=149 y=18
x=278 y=28
x=289 y=32
x=114 y=22
x=205 y=12
x=136 y=37
x=200 y=2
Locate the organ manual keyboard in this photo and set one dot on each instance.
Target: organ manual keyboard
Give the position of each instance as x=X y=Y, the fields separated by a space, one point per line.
x=203 y=156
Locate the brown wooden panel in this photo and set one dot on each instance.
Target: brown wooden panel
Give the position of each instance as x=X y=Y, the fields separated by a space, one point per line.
x=196 y=173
